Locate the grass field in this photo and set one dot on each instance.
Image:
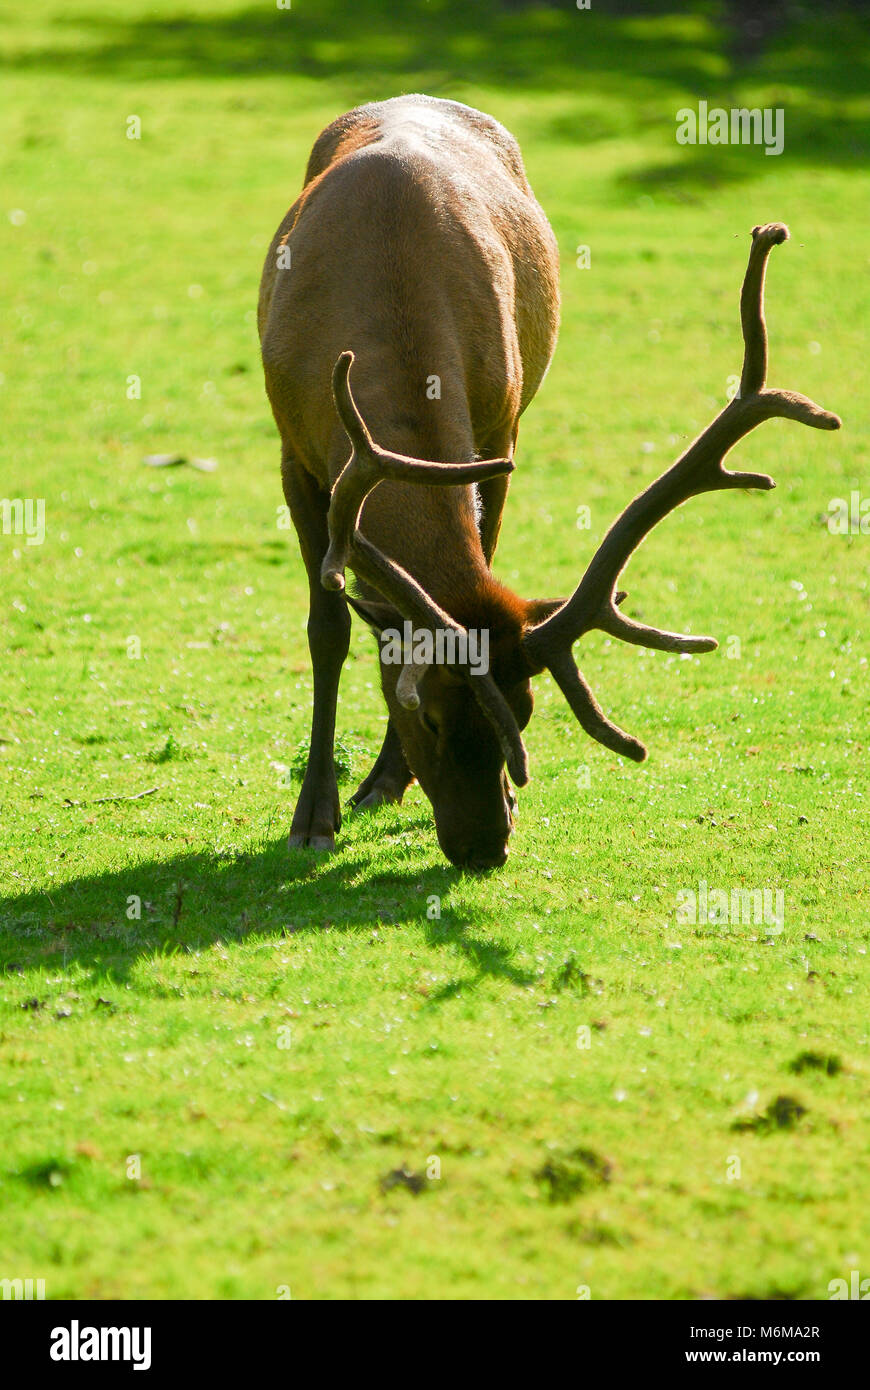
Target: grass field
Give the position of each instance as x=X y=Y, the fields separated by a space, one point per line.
x=230 y=1070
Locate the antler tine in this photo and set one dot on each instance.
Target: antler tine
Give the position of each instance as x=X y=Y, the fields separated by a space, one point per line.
x=500 y=716
x=752 y=321
x=699 y=469
x=589 y=713
x=406 y=685
x=368 y=465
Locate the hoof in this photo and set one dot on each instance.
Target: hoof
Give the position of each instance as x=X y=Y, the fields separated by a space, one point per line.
x=324 y=843
x=378 y=796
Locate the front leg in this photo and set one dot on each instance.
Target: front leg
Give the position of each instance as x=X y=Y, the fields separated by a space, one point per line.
x=317 y=817
x=387 y=780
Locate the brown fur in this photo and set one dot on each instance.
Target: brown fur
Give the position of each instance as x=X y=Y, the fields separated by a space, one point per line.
x=417 y=244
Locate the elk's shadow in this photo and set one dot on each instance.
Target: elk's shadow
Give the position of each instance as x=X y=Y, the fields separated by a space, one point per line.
x=194 y=901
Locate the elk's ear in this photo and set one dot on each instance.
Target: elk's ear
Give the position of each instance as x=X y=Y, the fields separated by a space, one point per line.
x=376 y=613
x=539 y=609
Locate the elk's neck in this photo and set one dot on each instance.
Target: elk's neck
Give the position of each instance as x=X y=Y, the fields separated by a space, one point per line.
x=432 y=532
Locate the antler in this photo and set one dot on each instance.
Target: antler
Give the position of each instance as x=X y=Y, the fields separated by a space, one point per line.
x=700 y=469
x=367 y=466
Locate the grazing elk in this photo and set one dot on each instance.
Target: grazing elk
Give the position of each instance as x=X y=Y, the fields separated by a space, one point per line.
x=417 y=252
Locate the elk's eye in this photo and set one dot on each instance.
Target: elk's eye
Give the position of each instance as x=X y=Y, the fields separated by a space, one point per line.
x=429 y=723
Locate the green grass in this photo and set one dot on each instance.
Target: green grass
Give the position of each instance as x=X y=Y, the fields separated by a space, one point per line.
x=305 y=1158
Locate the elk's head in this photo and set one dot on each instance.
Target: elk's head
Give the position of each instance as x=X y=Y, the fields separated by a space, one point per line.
x=461 y=729
x=459 y=744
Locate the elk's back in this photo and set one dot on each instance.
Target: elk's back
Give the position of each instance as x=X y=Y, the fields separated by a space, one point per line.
x=416 y=243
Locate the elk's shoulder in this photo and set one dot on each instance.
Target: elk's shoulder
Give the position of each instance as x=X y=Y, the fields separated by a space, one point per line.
x=442 y=125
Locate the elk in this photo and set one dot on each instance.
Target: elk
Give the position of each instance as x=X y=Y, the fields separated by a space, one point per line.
x=417 y=253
